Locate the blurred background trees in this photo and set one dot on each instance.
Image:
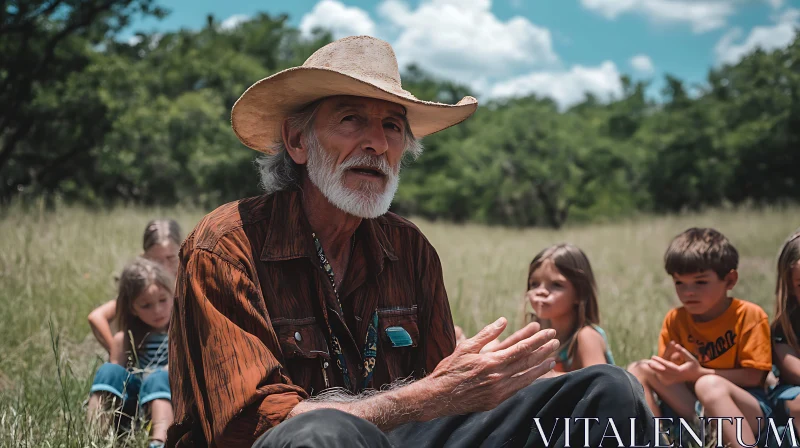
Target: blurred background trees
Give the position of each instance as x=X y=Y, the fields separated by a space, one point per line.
x=88 y=118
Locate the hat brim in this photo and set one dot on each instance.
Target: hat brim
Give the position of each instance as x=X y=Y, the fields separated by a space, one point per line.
x=259 y=113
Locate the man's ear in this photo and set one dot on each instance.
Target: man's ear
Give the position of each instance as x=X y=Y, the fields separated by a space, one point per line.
x=292 y=139
x=731 y=279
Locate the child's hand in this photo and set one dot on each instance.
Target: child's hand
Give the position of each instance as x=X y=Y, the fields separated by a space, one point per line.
x=671 y=372
x=673 y=354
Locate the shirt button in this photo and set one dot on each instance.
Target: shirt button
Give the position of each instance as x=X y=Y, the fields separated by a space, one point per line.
x=297 y=336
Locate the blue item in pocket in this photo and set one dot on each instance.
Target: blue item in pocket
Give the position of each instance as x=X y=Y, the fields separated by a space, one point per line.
x=399 y=337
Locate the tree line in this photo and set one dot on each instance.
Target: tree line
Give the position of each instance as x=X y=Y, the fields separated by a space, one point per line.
x=89 y=118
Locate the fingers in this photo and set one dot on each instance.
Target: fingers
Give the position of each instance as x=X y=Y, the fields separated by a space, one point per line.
x=491 y=346
x=524 y=333
x=685 y=352
x=486 y=335
x=526 y=345
x=662 y=365
x=527 y=377
x=533 y=358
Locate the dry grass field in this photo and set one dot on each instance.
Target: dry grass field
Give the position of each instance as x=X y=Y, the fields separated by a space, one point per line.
x=57 y=265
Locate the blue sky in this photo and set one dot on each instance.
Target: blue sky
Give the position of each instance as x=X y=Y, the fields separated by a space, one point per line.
x=555 y=48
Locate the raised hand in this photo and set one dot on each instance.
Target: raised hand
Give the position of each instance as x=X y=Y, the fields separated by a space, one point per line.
x=471 y=381
x=689 y=371
x=673 y=354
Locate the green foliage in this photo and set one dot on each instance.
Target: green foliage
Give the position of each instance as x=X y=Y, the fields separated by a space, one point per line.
x=148 y=122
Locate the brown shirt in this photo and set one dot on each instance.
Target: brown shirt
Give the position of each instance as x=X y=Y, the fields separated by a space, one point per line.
x=248 y=336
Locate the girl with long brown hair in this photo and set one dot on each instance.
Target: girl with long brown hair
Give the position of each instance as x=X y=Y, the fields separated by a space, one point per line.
x=785 y=331
x=562 y=292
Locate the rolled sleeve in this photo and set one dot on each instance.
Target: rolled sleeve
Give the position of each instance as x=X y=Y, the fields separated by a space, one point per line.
x=224 y=370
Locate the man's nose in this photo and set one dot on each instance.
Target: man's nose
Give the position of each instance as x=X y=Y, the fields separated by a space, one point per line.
x=375 y=137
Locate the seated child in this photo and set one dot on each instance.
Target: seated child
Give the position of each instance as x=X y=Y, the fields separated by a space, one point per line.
x=713 y=350
x=161 y=242
x=139 y=352
x=786 y=334
x=562 y=292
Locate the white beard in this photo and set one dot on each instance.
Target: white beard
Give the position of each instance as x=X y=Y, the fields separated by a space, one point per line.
x=368 y=201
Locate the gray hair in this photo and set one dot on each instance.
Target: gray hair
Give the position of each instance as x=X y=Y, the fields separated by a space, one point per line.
x=279 y=172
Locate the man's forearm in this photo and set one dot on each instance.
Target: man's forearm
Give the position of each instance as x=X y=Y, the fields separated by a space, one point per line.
x=417 y=401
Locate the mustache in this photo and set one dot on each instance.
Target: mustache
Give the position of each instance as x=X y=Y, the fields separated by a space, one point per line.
x=378 y=163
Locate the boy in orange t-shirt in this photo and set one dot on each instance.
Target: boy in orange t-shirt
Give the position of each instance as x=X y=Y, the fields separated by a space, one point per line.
x=714 y=349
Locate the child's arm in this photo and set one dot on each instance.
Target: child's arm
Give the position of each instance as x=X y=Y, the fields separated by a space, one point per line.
x=117 y=352
x=742 y=377
x=100 y=322
x=788 y=363
x=591 y=348
x=691 y=370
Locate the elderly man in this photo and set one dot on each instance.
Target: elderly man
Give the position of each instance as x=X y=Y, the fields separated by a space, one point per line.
x=311 y=316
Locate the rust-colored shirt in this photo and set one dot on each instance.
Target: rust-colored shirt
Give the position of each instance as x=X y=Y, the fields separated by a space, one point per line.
x=248 y=336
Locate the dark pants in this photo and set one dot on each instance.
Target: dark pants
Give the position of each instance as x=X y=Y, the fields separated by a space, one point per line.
x=601 y=393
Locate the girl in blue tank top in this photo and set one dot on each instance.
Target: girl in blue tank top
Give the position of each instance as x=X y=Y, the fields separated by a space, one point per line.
x=563 y=295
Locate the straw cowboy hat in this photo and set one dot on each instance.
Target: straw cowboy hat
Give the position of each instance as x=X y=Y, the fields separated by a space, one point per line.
x=360 y=66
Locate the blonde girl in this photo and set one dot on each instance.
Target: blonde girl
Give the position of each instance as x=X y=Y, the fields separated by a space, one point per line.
x=161 y=242
x=137 y=375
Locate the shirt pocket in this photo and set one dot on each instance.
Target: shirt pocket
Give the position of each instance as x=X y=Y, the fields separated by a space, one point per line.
x=305 y=350
x=399 y=336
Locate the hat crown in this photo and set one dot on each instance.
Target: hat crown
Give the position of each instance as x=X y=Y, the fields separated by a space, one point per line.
x=363 y=57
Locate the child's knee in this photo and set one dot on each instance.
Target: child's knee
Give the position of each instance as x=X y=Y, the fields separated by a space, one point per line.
x=155 y=387
x=793 y=406
x=711 y=388
x=640 y=369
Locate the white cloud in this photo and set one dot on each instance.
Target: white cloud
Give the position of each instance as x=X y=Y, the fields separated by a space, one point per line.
x=234 y=21
x=776 y=4
x=341 y=20
x=134 y=40
x=642 y=64
x=464 y=41
x=765 y=37
x=702 y=15
x=566 y=88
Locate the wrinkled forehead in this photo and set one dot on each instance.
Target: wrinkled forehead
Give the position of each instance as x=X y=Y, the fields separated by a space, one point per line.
x=359 y=103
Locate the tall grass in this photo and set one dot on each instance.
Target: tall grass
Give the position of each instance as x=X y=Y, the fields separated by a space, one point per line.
x=56 y=265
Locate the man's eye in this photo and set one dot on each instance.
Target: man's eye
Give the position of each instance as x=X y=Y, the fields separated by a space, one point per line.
x=392 y=126
x=349 y=118
x=702 y=282
x=678 y=283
